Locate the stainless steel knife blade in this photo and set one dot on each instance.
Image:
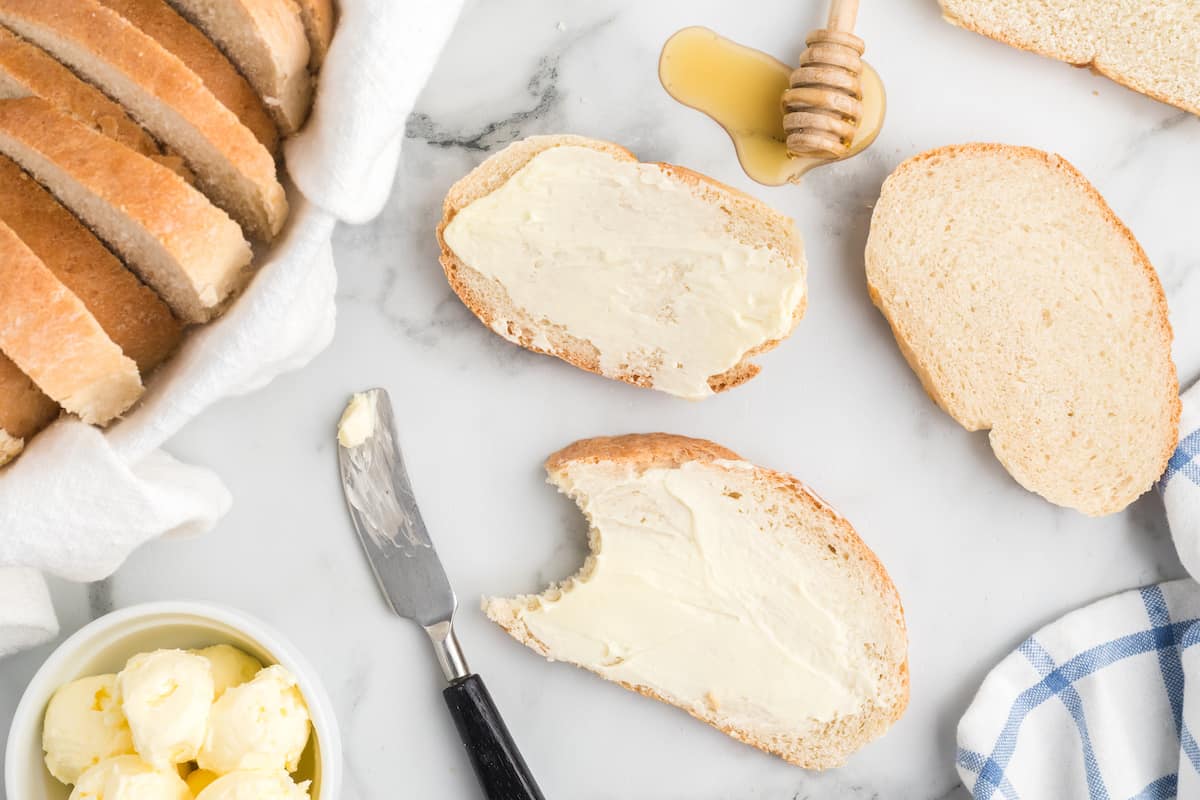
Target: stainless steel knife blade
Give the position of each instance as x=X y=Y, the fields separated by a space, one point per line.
x=384 y=511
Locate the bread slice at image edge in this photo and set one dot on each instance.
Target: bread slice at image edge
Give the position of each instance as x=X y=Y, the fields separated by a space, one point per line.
x=1094 y=440
x=1145 y=66
x=488 y=300
x=24 y=409
x=808 y=517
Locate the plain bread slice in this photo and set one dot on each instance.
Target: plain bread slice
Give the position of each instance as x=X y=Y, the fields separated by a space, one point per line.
x=1151 y=47
x=24 y=409
x=318 y=17
x=185 y=248
x=130 y=312
x=1028 y=309
x=725 y=589
x=166 y=97
x=48 y=332
x=27 y=70
x=266 y=39
x=185 y=41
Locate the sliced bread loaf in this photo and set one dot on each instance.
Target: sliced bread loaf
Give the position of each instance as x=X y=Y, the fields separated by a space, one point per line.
x=130 y=313
x=27 y=70
x=24 y=409
x=647 y=273
x=166 y=97
x=54 y=339
x=1027 y=308
x=188 y=250
x=185 y=41
x=1149 y=47
x=727 y=590
x=267 y=41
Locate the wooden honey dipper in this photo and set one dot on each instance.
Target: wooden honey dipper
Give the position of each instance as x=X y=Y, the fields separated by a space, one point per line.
x=823 y=107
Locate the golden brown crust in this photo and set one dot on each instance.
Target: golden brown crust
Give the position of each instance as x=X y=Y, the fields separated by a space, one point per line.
x=319 y=18
x=1057 y=163
x=24 y=408
x=130 y=312
x=828 y=747
x=493 y=173
x=39 y=74
x=1093 y=65
x=183 y=40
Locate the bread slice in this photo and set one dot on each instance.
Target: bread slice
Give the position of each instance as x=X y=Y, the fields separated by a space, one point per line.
x=48 y=332
x=130 y=313
x=185 y=248
x=166 y=97
x=24 y=409
x=647 y=273
x=1149 y=47
x=1027 y=308
x=725 y=589
x=318 y=18
x=185 y=41
x=267 y=41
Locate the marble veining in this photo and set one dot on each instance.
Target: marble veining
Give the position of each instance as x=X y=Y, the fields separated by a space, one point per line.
x=979 y=562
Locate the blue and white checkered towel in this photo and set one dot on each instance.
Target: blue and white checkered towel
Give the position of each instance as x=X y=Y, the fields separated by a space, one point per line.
x=1104 y=703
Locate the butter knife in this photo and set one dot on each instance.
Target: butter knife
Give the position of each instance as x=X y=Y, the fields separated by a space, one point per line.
x=389 y=525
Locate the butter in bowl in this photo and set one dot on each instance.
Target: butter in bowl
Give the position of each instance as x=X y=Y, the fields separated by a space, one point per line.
x=179 y=701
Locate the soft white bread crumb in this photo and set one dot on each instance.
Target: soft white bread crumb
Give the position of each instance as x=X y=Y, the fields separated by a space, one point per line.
x=1027 y=308
x=727 y=590
x=1151 y=47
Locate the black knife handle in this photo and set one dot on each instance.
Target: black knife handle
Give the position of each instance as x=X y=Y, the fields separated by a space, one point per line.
x=501 y=771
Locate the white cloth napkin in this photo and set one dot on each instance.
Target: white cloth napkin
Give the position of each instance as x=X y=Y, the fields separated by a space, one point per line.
x=79 y=500
x=1104 y=703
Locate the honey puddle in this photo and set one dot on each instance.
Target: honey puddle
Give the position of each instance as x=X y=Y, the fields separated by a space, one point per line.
x=741 y=89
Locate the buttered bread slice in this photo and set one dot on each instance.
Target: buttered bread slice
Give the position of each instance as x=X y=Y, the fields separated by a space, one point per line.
x=1028 y=309
x=728 y=590
x=646 y=273
x=52 y=337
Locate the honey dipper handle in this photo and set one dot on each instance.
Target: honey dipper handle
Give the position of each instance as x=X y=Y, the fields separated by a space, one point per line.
x=842 y=15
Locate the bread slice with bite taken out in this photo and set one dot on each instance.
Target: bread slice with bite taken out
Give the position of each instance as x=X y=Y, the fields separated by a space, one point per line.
x=1029 y=310
x=647 y=273
x=728 y=590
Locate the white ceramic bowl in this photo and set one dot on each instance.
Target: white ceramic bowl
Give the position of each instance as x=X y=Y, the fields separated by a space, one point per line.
x=106 y=644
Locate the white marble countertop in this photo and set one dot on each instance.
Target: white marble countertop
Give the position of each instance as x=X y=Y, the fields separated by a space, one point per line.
x=979 y=562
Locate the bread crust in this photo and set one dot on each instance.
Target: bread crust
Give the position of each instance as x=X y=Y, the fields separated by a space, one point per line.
x=318 y=17
x=904 y=335
x=468 y=284
x=24 y=408
x=183 y=40
x=1093 y=64
x=836 y=740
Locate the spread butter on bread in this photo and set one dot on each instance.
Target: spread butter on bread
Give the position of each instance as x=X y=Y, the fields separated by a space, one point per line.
x=1028 y=309
x=647 y=273
x=1151 y=47
x=725 y=589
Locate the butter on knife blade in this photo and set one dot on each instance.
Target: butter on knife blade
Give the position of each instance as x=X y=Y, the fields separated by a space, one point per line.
x=358 y=420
